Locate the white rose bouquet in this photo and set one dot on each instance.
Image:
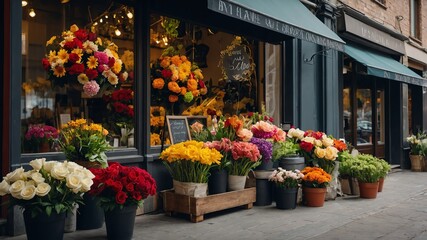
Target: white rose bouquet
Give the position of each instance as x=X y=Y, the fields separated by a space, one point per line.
x=49 y=186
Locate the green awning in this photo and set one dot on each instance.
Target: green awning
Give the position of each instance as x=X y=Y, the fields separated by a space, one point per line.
x=383 y=66
x=288 y=17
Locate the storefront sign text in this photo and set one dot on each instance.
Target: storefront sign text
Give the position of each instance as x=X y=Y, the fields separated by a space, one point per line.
x=236 y=11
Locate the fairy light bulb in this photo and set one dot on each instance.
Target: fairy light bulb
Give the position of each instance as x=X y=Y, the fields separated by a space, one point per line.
x=24 y=3
x=130 y=15
x=100 y=20
x=117 y=32
x=32 y=13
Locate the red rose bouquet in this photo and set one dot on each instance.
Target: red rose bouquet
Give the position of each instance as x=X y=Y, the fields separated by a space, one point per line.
x=119 y=186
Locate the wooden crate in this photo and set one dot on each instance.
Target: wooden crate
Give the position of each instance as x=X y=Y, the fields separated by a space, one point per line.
x=197 y=207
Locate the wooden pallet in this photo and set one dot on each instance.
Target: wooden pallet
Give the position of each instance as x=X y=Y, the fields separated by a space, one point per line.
x=197 y=207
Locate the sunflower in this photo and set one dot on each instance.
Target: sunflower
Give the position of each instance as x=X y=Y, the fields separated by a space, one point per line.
x=92 y=62
x=59 y=71
x=63 y=55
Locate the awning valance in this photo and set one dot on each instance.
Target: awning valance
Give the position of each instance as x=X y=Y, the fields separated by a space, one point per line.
x=288 y=17
x=383 y=66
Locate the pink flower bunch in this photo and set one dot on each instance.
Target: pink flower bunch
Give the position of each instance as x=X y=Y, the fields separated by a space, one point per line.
x=41 y=133
x=245 y=150
x=263 y=129
x=91 y=88
x=224 y=145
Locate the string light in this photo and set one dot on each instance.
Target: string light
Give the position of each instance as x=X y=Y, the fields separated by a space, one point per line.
x=32 y=13
x=130 y=15
x=24 y=3
x=117 y=32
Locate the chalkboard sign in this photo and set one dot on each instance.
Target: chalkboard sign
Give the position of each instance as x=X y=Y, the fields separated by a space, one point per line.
x=236 y=62
x=178 y=129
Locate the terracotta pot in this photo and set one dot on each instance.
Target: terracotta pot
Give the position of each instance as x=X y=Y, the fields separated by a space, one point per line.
x=380 y=185
x=368 y=190
x=314 y=197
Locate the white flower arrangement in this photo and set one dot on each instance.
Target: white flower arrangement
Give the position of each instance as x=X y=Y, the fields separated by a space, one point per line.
x=49 y=186
x=286 y=179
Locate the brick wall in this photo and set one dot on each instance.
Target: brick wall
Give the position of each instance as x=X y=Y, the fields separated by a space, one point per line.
x=387 y=15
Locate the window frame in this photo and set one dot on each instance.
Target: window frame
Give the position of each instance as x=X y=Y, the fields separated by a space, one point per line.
x=414 y=19
x=130 y=155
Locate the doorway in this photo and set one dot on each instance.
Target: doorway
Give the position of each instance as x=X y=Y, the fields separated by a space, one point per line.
x=364 y=113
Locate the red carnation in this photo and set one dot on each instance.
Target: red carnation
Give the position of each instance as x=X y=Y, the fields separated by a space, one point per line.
x=166 y=73
x=306 y=146
x=46 y=64
x=81 y=34
x=121 y=197
x=76 y=68
x=91 y=73
x=119 y=107
x=73 y=57
x=111 y=62
x=91 y=36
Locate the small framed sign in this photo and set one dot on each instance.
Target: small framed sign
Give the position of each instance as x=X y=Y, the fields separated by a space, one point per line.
x=178 y=129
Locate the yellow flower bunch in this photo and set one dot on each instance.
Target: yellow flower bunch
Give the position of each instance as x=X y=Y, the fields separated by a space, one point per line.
x=81 y=140
x=191 y=151
x=190 y=161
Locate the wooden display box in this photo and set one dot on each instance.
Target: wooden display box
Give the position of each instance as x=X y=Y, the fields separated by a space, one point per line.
x=197 y=207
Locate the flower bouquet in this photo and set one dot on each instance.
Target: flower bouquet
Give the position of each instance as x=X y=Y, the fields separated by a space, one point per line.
x=418 y=144
x=315 y=177
x=190 y=162
x=120 y=190
x=80 y=57
x=286 y=179
x=119 y=186
x=84 y=143
x=40 y=136
x=121 y=113
x=48 y=190
x=320 y=150
x=176 y=79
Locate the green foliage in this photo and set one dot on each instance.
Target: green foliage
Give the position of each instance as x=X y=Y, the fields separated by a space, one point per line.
x=242 y=166
x=285 y=149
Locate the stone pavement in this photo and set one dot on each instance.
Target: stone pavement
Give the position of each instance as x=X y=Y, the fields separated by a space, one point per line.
x=399 y=212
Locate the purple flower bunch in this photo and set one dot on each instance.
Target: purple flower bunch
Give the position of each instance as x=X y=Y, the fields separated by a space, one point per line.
x=265 y=148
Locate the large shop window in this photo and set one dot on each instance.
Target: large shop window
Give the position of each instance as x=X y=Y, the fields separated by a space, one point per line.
x=77 y=62
x=201 y=71
x=364 y=116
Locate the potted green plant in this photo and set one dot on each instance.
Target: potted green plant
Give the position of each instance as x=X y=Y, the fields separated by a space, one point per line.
x=368 y=170
x=287 y=152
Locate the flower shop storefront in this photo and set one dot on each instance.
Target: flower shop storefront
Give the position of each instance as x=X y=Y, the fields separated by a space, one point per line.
x=122 y=66
x=378 y=112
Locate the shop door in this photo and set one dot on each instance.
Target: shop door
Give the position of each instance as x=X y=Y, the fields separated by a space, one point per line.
x=364 y=114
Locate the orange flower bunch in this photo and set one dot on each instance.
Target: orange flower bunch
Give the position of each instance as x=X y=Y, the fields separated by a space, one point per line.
x=315 y=177
x=340 y=145
x=175 y=78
